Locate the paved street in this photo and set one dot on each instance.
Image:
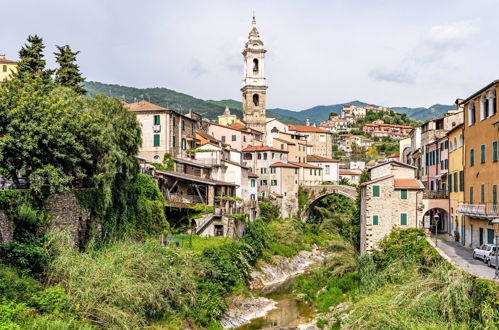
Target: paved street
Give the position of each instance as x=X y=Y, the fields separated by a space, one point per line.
x=463 y=258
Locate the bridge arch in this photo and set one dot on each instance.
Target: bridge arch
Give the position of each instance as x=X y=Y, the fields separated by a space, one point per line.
x=318 y=192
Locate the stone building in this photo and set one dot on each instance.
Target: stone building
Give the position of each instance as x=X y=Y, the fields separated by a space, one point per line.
x=392 y=198
x=255 y=87
x=163 y=131
x=283 y=187
x=319 y=141
x=309 y=175
x=7 y=67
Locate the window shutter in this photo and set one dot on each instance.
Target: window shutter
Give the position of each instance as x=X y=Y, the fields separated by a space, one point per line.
x=494 y=151
x=375 y=191
x=494 y=194
x=403 y=219
x=450 y=183
x=403 y=194
x=156 y=119
x=472 y=157
x=455 y=181
x=482 y=153
x=375 y=220
x=156 y=140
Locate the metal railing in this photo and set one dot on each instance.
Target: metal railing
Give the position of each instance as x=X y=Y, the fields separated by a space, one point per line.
x=482 y=210
x=435 y=194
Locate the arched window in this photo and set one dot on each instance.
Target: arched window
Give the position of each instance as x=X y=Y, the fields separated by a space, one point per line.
x=484 y=107
x=255 y=65
x=256 y=99
x=471 y=113
x=492 y=102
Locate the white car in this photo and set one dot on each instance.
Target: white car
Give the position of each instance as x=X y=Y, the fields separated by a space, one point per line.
x=483 y=252
x=491 y=260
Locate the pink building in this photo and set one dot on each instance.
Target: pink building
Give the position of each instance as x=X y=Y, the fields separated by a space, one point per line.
x=237 y=138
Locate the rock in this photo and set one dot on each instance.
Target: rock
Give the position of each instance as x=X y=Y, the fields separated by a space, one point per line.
x=243 y=310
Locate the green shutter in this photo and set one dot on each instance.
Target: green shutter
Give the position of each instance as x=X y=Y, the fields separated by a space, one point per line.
x=403 y=194
x=482 y=153
x=482 y=193
x=184 y=144
x=471 y=195
x=494 y=194
x=223 y=138
x=156 y=119
x=156 y=140
x=461 y=180
x=375 y=191
x=494 y=151
x=455 y=181
x=490 y=236
x=450 y=183
x=234 y=138
x=472 y=157
x=174 y=141
x=403 y=219
x=375 y=220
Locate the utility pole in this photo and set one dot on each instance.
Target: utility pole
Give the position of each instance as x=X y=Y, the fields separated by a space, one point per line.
x=495 y=222
x=436 y=217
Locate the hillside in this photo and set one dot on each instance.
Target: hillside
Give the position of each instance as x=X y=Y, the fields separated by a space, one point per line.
x=174 y=100
x=213 y=108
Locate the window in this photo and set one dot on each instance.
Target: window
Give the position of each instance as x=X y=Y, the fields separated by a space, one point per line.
x=455 y=181
x=264 y=156
x=472 y=157
x=282 y=146
x=484 y=108
x=174 y=141
x=193 y=129
x=375 y=219
x=223 y=138
x=446 y=164
x=494 y=194
x=156 y=140
x=403 y=194
x=272 y=170
x=327 y=170
x=253 y=197
x=461 y=180
x=156 y=119
x=255 y=65
x=184 y=144
x=315 y=172
x=494 y=151
x=273 y=155
x=234 y=138
x=253 y=182
x=403 y=219
x=376 y=191
x=182 y=124
x=471 y=195
x=244 y=138
x=263 y=182
x=174 y=122
x=482 y=153
x=273 y=182
x=4 y=68
x=311 y=171
x=450 y=183
x=482 y=193
x=296 y=171
x=263 y=170
x=492 y=103
x=256 y=100
x=471 y=113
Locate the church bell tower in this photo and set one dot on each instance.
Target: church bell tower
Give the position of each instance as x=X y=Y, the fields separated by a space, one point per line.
x=255 y=87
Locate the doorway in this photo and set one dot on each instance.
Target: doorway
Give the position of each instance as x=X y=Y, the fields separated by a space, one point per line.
x=481 y=236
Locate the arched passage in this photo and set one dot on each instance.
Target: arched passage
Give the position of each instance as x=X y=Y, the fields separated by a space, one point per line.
x=438 y=219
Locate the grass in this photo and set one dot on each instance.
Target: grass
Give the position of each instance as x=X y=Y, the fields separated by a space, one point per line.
x=197 y=244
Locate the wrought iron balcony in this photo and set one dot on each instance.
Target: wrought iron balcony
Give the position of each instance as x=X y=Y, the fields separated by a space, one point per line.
x=482 y=211
x=435 y=194
x=156 y=128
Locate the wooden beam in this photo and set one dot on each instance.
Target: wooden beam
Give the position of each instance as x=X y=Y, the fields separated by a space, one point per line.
x=199 y=194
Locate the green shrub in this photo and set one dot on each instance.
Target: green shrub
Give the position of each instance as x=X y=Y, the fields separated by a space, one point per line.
x=256 y=236
x=52 y=300
x=11 y=314
x=16 y=287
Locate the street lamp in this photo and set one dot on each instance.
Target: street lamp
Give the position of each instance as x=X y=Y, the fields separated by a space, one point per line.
x=496 y=223
x=436 y=217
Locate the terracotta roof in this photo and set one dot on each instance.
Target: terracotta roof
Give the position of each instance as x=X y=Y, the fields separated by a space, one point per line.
x=394 y=155
x=281 y=164
x=302 y=128
x=277 y=195
x=284 y=141
x=395 y=162
x=194 y=178
x=305 y=165
x=320 y=159
x=238 y=125
x=350 y=172
x=144 y=106
x=388 y=125
x=408 y=183
x=252 y=175
x=376 y=180
x=6 y=61
x=263 y=148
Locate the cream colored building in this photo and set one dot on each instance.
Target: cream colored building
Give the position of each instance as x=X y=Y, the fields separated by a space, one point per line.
x=163 y=131
x=228 y=119
x=7 y=67
x=319 y=141
x=330 y=167
x=309 y=175
x=392 y=198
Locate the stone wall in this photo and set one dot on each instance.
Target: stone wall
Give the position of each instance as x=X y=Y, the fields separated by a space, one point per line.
x=66 y=212
x=6 y=228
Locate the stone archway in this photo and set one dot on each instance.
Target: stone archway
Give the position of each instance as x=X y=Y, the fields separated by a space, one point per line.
x=318 y=192
x=443 y=219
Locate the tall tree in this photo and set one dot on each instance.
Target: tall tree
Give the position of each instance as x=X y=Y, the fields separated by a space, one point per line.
x=31 y=61
x=68 y=74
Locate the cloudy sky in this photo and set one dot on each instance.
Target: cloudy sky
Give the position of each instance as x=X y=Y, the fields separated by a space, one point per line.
x=389 y=52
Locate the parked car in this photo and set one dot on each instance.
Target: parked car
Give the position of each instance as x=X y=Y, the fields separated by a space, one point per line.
x=491 y=260
x=483 y=252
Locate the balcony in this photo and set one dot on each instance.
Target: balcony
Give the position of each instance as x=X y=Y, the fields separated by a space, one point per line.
x=482 y=211
x=156 y=128
x=435 y=194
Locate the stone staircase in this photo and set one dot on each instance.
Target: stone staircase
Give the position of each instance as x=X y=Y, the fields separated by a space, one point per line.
x=203 y=222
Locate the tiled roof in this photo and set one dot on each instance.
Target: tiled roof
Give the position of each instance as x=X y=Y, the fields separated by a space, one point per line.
x=320 y=159
x=395 y=162
x=408 y=183
x=284 y=141
x=6 y=61
x=376 y=180
x=305 y=165
x=302 y=128
x=252 y=175
x=281 y=164
x=144 y=106
x=263 y=148
x=277 y=195
x=238 y=125
x=350 y=172
x=388 y=125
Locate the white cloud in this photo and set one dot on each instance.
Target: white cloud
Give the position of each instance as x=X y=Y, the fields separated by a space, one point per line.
x=395 y=75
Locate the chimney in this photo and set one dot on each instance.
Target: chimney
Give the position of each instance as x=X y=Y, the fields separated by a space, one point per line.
x=2 y=56
x=308 y=122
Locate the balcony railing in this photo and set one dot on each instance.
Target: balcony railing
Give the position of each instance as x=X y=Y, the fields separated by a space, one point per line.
x=484 y=210
x=435 y=194
x=156 y=128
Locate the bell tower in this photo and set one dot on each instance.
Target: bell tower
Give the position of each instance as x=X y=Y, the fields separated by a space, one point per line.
x=255 y=87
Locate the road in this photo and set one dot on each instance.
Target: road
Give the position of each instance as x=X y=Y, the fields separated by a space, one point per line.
x=463 y=258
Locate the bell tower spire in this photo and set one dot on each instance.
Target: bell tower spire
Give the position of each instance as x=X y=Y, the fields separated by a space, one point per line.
x=254 y=83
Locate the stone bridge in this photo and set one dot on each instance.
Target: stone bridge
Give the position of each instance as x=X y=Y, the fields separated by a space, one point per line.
x=316 y=193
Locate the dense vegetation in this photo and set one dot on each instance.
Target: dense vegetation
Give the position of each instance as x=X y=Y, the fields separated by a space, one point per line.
x=390 y=117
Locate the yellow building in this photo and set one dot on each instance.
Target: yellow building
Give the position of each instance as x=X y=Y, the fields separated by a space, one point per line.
x=227 y=119
x=6 y=68
x=455 y=179
x=481 y=164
